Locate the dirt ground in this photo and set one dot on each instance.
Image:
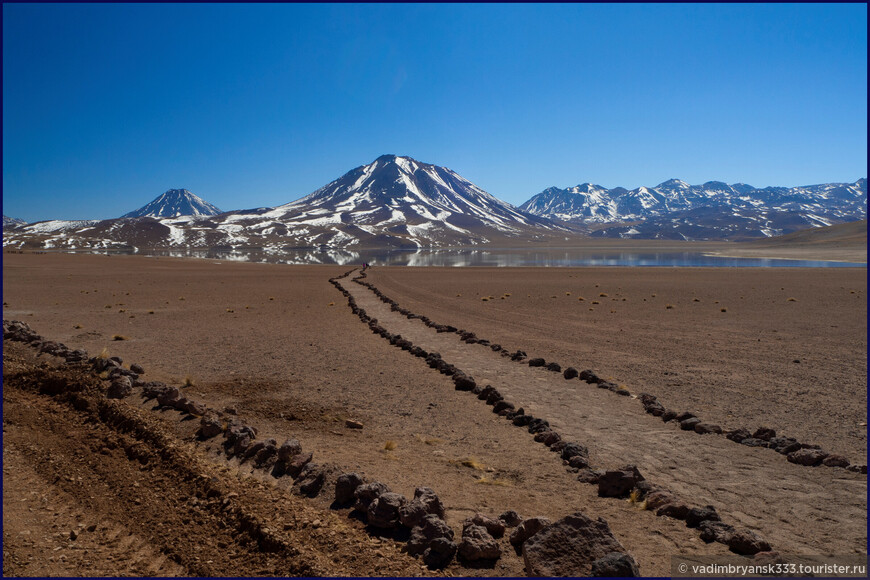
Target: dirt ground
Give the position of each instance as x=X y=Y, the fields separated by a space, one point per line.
x=280 y=345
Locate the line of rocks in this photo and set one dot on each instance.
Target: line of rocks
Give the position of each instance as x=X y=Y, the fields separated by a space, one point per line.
x=624 y=482
x=796 y=452
x=434 y=540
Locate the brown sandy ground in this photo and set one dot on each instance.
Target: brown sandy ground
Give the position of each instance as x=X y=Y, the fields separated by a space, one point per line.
x=294 y=365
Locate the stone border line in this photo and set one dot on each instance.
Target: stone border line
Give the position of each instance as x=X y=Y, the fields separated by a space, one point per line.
x=418 y=521
x=617 y=483
x=796 y=452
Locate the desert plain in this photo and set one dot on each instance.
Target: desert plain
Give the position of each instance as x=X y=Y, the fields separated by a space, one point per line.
x=279 y=348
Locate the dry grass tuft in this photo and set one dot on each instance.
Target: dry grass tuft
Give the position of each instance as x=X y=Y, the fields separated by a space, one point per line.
x=230 y=310
x=330 y=304
x=596 y=302
x=459 y=295
x=473 y=463
x=567 y=293
x=188 y=381
x=181 y=297
x=390 y=445
x=634 y=496
x=696 y=299
x=485 y=299
x=580 y=298
x=723 y=310
x=104 y=353
x=428 y=440
x=603 y=295
x=792 y=300
x=669 y=306
x=119 y=337
x=77 y=326
x=271 y=297
x=150 y=312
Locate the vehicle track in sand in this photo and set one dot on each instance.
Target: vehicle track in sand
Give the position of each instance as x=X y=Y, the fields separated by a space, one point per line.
x=799 y=510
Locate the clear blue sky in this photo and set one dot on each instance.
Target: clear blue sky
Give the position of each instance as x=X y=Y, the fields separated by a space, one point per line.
x=107 y=106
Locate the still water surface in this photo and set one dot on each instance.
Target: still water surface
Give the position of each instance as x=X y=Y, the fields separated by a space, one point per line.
x=552 y=257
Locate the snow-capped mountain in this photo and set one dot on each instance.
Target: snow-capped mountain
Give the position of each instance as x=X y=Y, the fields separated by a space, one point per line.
x=9 y=222
x=393 y=202
x=713 y=210
x=175 y=203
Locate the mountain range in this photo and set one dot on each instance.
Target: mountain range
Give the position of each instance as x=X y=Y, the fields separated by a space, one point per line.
x=399 y=202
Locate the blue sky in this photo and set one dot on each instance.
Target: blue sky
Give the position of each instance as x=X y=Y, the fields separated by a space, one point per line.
x=107 y=106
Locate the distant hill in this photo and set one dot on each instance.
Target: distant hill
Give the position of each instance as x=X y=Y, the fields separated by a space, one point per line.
x=175 y=203
x=841 y=234
x=9 y=222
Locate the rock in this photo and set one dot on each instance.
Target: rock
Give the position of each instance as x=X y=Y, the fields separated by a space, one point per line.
x=715 y=531
x=590 y=476
x=578 y=462
x=746 y=543
x=510 y=518
x=558 y=446
x=705 y=428
x=494 y=527
x=522 y=420
x=526 y=529
x=619 y=482
x=698 y=515
x=477 y=544
x=689 y=424
x=169 y=397
x=210 y=426
x=267 y=455
x=120 y=388
x=425 y=502
x=502 y=406
x=494 y=397
x=683 y=416
x=654 y=408
x=383 y=511
x=296 y=464
x=570 y=373
x=423 y=534
x=439 y=553
x=589 y=376
x=659 y=498
x=365 y=494
x=345 y=486
x=351 y=424
x=764 y=433
x=738 y=435
x=484 y=394
x=669 y=415
x=463 y=382
x=784 y=445
x=810 y=457
x=137 y=368
x=311 y=481
x=676 y=510
x=836 y=461
x=289 y=449
x=753 y=442
x=857 y=468
x=547 y=437
x=191 y=407
x=569 y=547
x=572 y=449
x=615 y=565
x=536 y=362
x=538 y=425
x=554 y=367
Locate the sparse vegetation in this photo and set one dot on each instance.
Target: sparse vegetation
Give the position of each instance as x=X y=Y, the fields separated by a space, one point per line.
x=390 y=445
x=473 y=463
x=723 y=310
x=603 y=295
x=696 y=299
x=77 y=326
x=580 y=298
x=181 y=297
x=595 y=302
x=634 y=496
x=669 y=306
x=789 y=300
x=188 y=381
x=119 y=337
x=104 y=353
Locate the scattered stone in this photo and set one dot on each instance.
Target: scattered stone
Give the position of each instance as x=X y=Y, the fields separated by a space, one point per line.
x=345 y=486
x=569 y=547
x=439 y=553
x=857 y=468
x=669 y=415
x=536 y=362
x=570 y=373
x=351 y=424
x=683 y=416
x=296 y=464
x=810 y=457
x=425 y=502
x=715 y=531
x=572 y=449
x=589 y=376
x=477 y=544
x=169 y=397
x=137 y=368
x=554 y=367
x=528 y=528
x=579 y=461
x=311 y=480
x=784 y=445
x=619 y=482
x=654 y=408
x=705 y=428
x=428 y=530
x=538 y=425
x=502 y=406
x=753 y=442
x=486 y=392
x=463 y=382
x=494 y=397
x=267 y=455
x=615 y=565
